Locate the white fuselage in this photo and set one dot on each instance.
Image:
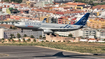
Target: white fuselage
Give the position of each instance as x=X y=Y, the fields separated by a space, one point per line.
x=47 y=26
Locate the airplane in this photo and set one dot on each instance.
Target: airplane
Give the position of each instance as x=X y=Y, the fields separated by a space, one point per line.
x=51 y=27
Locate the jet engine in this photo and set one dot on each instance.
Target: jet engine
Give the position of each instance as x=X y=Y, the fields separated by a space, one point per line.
x=48 y=31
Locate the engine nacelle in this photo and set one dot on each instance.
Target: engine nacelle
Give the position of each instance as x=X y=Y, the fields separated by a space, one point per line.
x=48 y=31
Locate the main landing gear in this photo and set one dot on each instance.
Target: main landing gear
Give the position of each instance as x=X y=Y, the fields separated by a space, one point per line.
x=22 y=30
x=51 y=34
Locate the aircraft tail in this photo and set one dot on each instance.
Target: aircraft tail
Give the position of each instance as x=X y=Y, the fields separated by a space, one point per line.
x=44 y=21
x=83 y=20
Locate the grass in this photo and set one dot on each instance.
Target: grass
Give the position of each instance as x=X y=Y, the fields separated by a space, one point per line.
x=79 y=47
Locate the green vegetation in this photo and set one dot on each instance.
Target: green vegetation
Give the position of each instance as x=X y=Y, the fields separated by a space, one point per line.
x=10 y=27
x=28 y=40
x=19 y=40
x=63 y=41
x=79 y=47
x=18 y=35
x=70 y=35
x=47 y=41
x=11 y=35
x=13 y=27
x=25 y=35
x=91 y=2
x=53 y=41
x=42 y=41
x=9 y=40
x=40 y=36
x=86 y=1
x=16 y=1
x=44 y=37
x=24 y=40
x=32 y=36
x=2 y=40
x=103 y=3
x=83 y=1
x=59 y=41
x=34 y=40
x=13 y=10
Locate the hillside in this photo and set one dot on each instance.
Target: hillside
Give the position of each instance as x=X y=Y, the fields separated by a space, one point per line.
x=16 y=1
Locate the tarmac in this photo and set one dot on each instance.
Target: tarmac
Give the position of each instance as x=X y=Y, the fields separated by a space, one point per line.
x=34 y=52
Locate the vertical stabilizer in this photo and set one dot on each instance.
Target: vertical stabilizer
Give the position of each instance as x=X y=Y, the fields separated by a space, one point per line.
x=44 y=21
x=83 y=20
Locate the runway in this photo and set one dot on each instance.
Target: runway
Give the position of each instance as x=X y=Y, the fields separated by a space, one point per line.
x=31 y=52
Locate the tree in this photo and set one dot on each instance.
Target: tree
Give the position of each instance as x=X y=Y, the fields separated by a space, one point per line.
x=34 y=40
x=14 y=37
x=101 y=0
x=42 y=41
x=32 y=36
x=70 y=35
x=13 y=40
x=63 y=41
x=47 y=41
x=24 y=40
x=18 y=35
x=91 y=3
x=10 y=9
x=44 y=37
x=11 y=35
x=68 y=41
x=53 y=41
x=28 y=40
x=25 y=35
x=19 y=40
x=14 y=27
x=40 y=36
x=95 y=36
x=2 y=39
x=10 y=27
x=16 y=1
x=1 y=22
x=59 y=41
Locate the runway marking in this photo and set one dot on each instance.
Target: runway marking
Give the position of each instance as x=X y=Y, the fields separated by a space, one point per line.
x=3 y=55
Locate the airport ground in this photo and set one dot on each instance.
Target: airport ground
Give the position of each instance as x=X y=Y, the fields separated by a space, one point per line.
x=83 y=47
x=32 y=52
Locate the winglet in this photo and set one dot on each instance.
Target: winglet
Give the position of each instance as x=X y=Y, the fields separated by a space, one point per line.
x=83 y=20
x=44 y=21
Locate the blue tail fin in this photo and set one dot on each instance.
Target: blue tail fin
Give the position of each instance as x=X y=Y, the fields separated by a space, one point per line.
x=44 y=21
x=83 y=20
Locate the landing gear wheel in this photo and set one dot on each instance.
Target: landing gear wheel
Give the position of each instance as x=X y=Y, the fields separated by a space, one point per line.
x=22 y=30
